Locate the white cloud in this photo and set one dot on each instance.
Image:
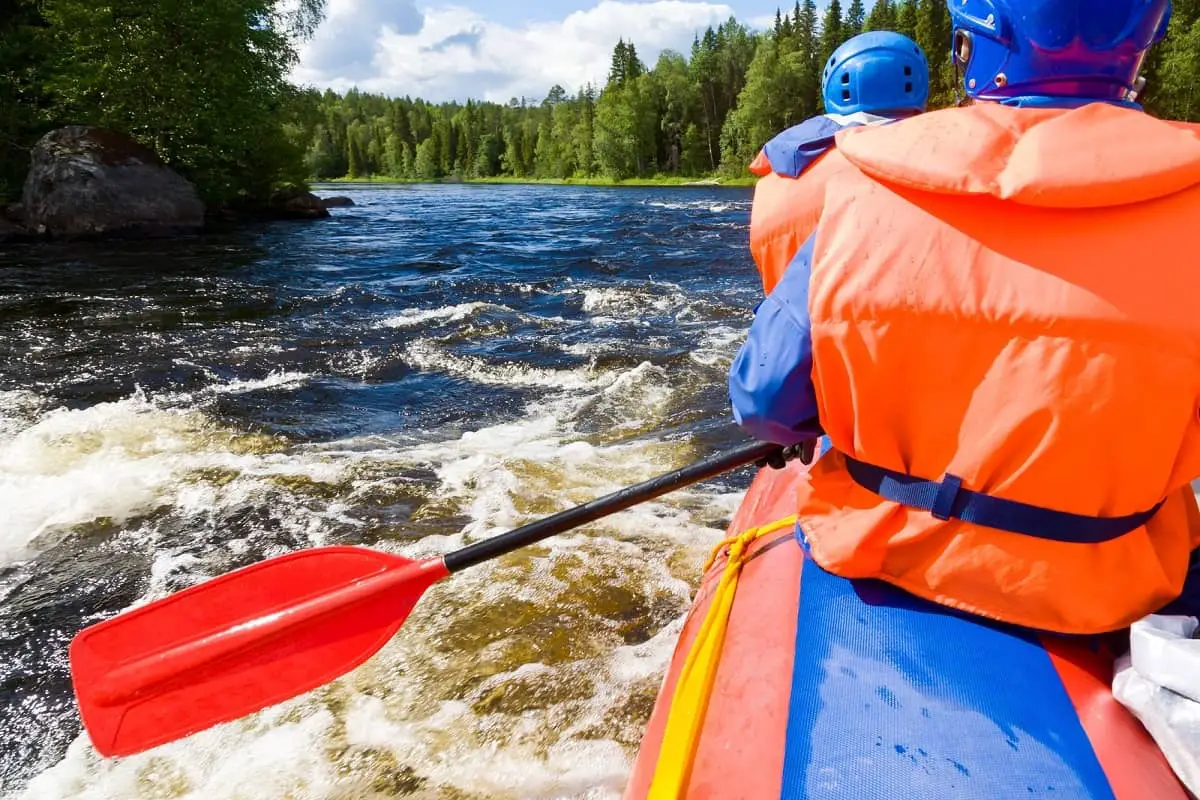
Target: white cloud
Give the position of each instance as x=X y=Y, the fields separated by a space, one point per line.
x=344 y=46
x=456 y=53
x=763 y=22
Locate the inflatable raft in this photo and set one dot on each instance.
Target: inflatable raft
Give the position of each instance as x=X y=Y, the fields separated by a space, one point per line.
x=802 y=685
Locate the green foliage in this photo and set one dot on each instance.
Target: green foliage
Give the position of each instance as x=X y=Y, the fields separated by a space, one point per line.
x=933 y=34
x=663 y=121
x=1173 y=87
x=906 y=19
x=24 y=106
x=882 y=17
x=855 y=19
x=832 y=29
x=710 y=112
x=205 y=85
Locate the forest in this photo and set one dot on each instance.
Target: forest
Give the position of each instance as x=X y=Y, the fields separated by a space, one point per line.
x=206 y=85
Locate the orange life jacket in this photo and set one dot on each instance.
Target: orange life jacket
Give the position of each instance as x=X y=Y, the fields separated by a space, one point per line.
x=785 y=212
x=1007 y=298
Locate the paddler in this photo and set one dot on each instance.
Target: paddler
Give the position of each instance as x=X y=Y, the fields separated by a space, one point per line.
x=872 y=79
x=1008 y=372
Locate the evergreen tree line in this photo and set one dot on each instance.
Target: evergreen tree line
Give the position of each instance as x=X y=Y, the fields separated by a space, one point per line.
x=708 y=113
x=205 y=85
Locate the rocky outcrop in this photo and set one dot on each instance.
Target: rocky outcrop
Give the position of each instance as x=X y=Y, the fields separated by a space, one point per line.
x=291 y=202
x=294 y=202
x=88 y=182
x=337 y=202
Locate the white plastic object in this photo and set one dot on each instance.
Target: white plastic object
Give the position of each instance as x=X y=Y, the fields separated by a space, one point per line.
x=1159 y=681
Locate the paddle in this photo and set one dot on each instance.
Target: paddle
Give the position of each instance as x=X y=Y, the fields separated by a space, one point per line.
x=276 y=629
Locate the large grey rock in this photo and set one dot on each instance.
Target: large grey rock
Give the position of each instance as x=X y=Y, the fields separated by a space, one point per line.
x=86 y=182
x=337 y=202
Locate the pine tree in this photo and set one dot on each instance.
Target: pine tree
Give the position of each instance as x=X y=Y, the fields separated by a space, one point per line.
x=882 y=17
x=855 y=18
x=633 y=65
x=906 y=18
x=616 y=72
x=808 y=53
x=831 y=31
x=933 y=34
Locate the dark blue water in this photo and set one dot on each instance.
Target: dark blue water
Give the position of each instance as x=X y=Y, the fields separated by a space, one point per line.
x=433 y=365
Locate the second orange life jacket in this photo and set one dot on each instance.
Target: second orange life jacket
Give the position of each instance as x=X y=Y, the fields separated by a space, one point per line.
x=793 y=169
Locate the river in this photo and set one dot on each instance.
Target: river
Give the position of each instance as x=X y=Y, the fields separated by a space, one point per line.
x=434 y=365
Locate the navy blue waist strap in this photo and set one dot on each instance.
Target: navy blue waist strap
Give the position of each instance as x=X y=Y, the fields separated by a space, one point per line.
x=948 y=500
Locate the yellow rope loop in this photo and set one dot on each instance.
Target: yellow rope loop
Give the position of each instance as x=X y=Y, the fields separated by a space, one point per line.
x=746 y=538
x=720 y=548
x=681 y=736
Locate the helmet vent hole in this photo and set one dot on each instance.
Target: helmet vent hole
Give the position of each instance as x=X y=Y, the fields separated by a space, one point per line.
x=846 y=95
x=907 y=70
x=908 y=88
x=845 y=77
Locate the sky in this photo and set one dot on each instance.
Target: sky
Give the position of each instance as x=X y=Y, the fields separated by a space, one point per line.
x=499 y=49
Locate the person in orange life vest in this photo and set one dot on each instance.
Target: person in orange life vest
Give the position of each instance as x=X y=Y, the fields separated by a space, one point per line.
x=1010 y=381
x=872 y=79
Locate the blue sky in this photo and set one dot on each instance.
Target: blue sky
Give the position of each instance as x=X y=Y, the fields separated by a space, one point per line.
x=497 y=50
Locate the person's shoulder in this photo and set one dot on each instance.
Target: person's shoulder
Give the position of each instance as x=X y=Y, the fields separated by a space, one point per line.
x=795 y=149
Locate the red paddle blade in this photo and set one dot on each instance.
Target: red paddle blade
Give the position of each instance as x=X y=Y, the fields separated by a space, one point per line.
x=239 y=643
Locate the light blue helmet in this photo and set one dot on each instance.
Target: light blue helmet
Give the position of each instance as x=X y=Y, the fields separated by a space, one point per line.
x=1084 y=49
x=880 y=72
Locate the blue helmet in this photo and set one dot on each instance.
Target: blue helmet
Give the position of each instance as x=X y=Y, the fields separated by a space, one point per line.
x=1083 y=49
x=877 y=72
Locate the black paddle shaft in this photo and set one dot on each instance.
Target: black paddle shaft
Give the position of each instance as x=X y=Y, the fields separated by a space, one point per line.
x=534 y=532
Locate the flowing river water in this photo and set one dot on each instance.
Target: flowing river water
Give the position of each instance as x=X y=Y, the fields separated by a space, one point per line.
x=435 y=365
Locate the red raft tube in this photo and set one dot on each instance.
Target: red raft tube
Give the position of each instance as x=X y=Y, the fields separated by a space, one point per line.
x=791 y=683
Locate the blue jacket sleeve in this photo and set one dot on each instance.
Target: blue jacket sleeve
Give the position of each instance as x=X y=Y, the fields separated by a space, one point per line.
x=770 y=381
x=794 y=150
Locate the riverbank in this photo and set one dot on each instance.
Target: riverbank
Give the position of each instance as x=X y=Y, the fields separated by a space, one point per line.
x=673 y=180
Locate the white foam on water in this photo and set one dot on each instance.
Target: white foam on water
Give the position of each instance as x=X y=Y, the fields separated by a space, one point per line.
x=513 y=680
x=267 y=756
x=717 y=346
x=700 y=205
x=625 y=302
x=416 y=317
x=115 y=461
x=427 y=355
x=275 y=380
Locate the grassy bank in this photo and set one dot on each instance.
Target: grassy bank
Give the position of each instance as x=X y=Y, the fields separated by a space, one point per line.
x=662 y=180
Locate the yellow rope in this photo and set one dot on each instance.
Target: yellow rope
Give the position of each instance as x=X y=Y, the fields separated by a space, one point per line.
x=690 y=701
